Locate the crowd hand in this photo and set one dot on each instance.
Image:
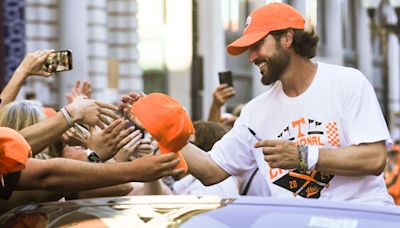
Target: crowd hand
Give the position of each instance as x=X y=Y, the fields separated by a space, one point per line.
x=229 y=121
x=152 y=168
x=278 y=153
x=222 y=94
x=84 y=89
x=91 y=112
x=72 y=138
x=128 y=146
x=33 y=63
x=127 y=101
x=106 y=142
x=145 y=148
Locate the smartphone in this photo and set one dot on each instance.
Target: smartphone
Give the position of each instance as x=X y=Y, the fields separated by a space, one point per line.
x=59 y=61
x=226 y=77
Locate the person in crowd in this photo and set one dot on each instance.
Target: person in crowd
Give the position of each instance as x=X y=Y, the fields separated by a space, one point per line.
x=32 y=64
x=220 y=96
x=392 y=173
x=317 y=133
x=64 y=175
x=23 y=113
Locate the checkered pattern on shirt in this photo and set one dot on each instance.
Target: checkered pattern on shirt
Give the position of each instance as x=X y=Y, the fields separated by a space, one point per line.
x=333 y=134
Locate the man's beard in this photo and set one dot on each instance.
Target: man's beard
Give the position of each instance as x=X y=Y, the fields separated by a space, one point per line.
x=276 y=66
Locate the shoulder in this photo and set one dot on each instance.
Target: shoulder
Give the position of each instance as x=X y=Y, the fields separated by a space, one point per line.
x=340 y=72
x=345 y=79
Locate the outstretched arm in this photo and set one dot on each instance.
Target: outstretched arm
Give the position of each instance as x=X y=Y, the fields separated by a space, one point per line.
x=363 y=159
x=356 y=160
x=59 y=174
x=202 y=166
x=31 y=65
x=220 y=96
x=116 y=190
x=88 y=111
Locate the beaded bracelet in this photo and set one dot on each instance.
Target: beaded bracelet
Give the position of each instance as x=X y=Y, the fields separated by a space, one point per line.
x=303 y=155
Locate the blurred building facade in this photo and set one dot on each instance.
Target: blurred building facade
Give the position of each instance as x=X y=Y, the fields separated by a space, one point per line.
x=178 y=47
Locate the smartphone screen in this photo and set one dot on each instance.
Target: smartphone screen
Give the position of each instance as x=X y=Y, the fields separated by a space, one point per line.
x=226 y=77
x=59 y=61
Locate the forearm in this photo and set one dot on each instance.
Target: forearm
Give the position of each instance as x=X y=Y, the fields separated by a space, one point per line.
x=215 y=113
x=42 y=134
x=12 y=88
x=202 y=166
x=152 y=188
x=117 y=190
x=363 y=159
x=24 y=197
x=61 y=174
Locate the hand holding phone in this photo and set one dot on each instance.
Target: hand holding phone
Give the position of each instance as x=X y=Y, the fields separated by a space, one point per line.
x=226 y=77
x=58 y=61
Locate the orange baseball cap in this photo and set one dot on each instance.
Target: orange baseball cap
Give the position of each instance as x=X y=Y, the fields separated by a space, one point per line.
x=271 y=17
x=167 y=121
x=14 y=151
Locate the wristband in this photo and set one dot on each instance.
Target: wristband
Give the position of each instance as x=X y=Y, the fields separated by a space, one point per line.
x=313 y=155
x=67 y=116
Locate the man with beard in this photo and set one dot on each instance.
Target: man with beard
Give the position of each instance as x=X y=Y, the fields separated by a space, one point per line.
x=317 y=133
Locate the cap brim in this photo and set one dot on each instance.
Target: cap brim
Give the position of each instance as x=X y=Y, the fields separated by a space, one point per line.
x=240 y=45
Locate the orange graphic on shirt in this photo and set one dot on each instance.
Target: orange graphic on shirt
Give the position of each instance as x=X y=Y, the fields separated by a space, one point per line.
x=298 y=123
x=333 y=134
x=306 y=131
x=311 y=191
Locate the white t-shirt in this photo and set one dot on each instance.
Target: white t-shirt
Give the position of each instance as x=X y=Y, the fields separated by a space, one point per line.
x=339 y=109
x=257 y=187
x=189 y=185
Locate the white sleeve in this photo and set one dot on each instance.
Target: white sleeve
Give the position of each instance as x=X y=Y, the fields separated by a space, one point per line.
x=233 y=153
x=362 y=117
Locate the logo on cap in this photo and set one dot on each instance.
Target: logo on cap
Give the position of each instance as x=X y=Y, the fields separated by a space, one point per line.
x=248 y=21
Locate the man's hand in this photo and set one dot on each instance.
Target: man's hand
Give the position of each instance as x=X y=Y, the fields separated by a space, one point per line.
x=85 y=89
x=282 y=154
x=106 y=142
x=33 y=64
x=152 y=168
x=91 y=112
x=222 y=94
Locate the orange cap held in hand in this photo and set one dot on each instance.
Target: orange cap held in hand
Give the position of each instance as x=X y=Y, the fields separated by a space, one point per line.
x=14 y=151
x=167 y=121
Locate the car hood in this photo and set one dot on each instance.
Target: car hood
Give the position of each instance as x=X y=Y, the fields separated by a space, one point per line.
x=201 y=211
